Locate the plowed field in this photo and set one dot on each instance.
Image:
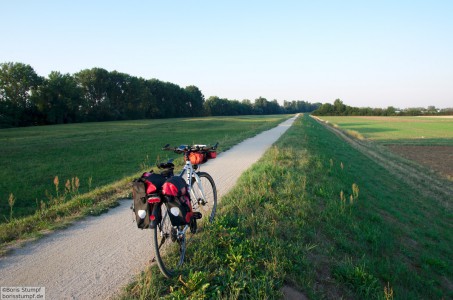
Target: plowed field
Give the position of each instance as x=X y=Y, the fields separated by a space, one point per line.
x=438 y=158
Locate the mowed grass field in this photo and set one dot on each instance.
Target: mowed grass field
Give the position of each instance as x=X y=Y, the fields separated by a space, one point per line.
x=318 y=215
x=399 y=130
x=96 y=154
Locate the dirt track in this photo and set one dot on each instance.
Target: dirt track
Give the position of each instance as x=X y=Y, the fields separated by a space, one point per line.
x=95 y=257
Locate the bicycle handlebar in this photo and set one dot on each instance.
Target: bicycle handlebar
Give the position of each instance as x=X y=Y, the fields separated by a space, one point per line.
x=190 y=148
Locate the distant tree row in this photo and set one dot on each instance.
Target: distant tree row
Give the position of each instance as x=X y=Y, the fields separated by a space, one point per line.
x=99 y=95
x=216 y=106
x=340 y=109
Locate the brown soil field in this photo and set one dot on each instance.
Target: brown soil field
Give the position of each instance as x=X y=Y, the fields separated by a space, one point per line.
x=440 y=117
x=438 y=158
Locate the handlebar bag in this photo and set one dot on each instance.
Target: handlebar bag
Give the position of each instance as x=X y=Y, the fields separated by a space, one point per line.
x=177 y=201
x=197 y=158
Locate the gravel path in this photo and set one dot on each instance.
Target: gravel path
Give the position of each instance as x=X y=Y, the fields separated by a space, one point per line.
x=95 y=257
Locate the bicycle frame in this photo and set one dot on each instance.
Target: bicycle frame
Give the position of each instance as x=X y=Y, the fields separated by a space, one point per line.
x=191 y=174
x=188 y=168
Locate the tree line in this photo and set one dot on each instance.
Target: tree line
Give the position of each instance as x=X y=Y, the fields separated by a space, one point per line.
x=215 y=106
x=338 y=108
x=99 y=95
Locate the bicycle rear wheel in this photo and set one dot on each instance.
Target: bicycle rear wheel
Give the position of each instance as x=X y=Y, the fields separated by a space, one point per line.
x=169 y=248
x=204 y=196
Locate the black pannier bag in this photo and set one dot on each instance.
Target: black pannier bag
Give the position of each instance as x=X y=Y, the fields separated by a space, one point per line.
x=140 y=206
x=147 y=200
x=178 y=202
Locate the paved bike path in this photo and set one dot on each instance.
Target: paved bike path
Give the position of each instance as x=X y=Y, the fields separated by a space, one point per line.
x=97 y=256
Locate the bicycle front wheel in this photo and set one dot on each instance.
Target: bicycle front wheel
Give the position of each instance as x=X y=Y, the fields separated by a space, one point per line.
x=204 y=195
x=169 y=247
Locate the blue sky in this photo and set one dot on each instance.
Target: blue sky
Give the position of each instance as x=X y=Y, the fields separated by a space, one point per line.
x=367 y=53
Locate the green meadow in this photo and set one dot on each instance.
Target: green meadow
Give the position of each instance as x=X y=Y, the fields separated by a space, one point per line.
x=90 y=155
x=318 y=215
x=399 y=130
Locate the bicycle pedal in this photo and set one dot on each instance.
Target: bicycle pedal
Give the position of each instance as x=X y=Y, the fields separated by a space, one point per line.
x=174 y=234
x=193 y=225
x=197 y=215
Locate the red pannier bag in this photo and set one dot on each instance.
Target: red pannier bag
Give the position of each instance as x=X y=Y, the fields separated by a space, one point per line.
x=212 y=154
x=178 y=201
x=153 y=182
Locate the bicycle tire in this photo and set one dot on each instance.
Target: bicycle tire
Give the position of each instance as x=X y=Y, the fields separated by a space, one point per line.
x=168 y=249
x=207 y=206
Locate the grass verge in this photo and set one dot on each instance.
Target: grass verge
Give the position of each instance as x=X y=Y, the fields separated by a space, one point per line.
x=316 y=214
x=61 y=214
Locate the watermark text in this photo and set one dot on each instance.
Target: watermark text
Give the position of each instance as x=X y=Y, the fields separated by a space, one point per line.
x=22 y=292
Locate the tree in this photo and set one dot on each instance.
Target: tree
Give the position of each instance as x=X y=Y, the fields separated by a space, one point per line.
x=175 y=101
x=339 y=107
x=119 y=94
x=216 y=106
x=273 y=108
x=17 y=83
x=196 y=100
x=390 y=111
x=247 y=107
x=325 y=109
x=432 y=110
x=94 y=84
x=59 y=99
x=138 y=99
x=156 y=105
x=413 y=111
x=260 y=106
